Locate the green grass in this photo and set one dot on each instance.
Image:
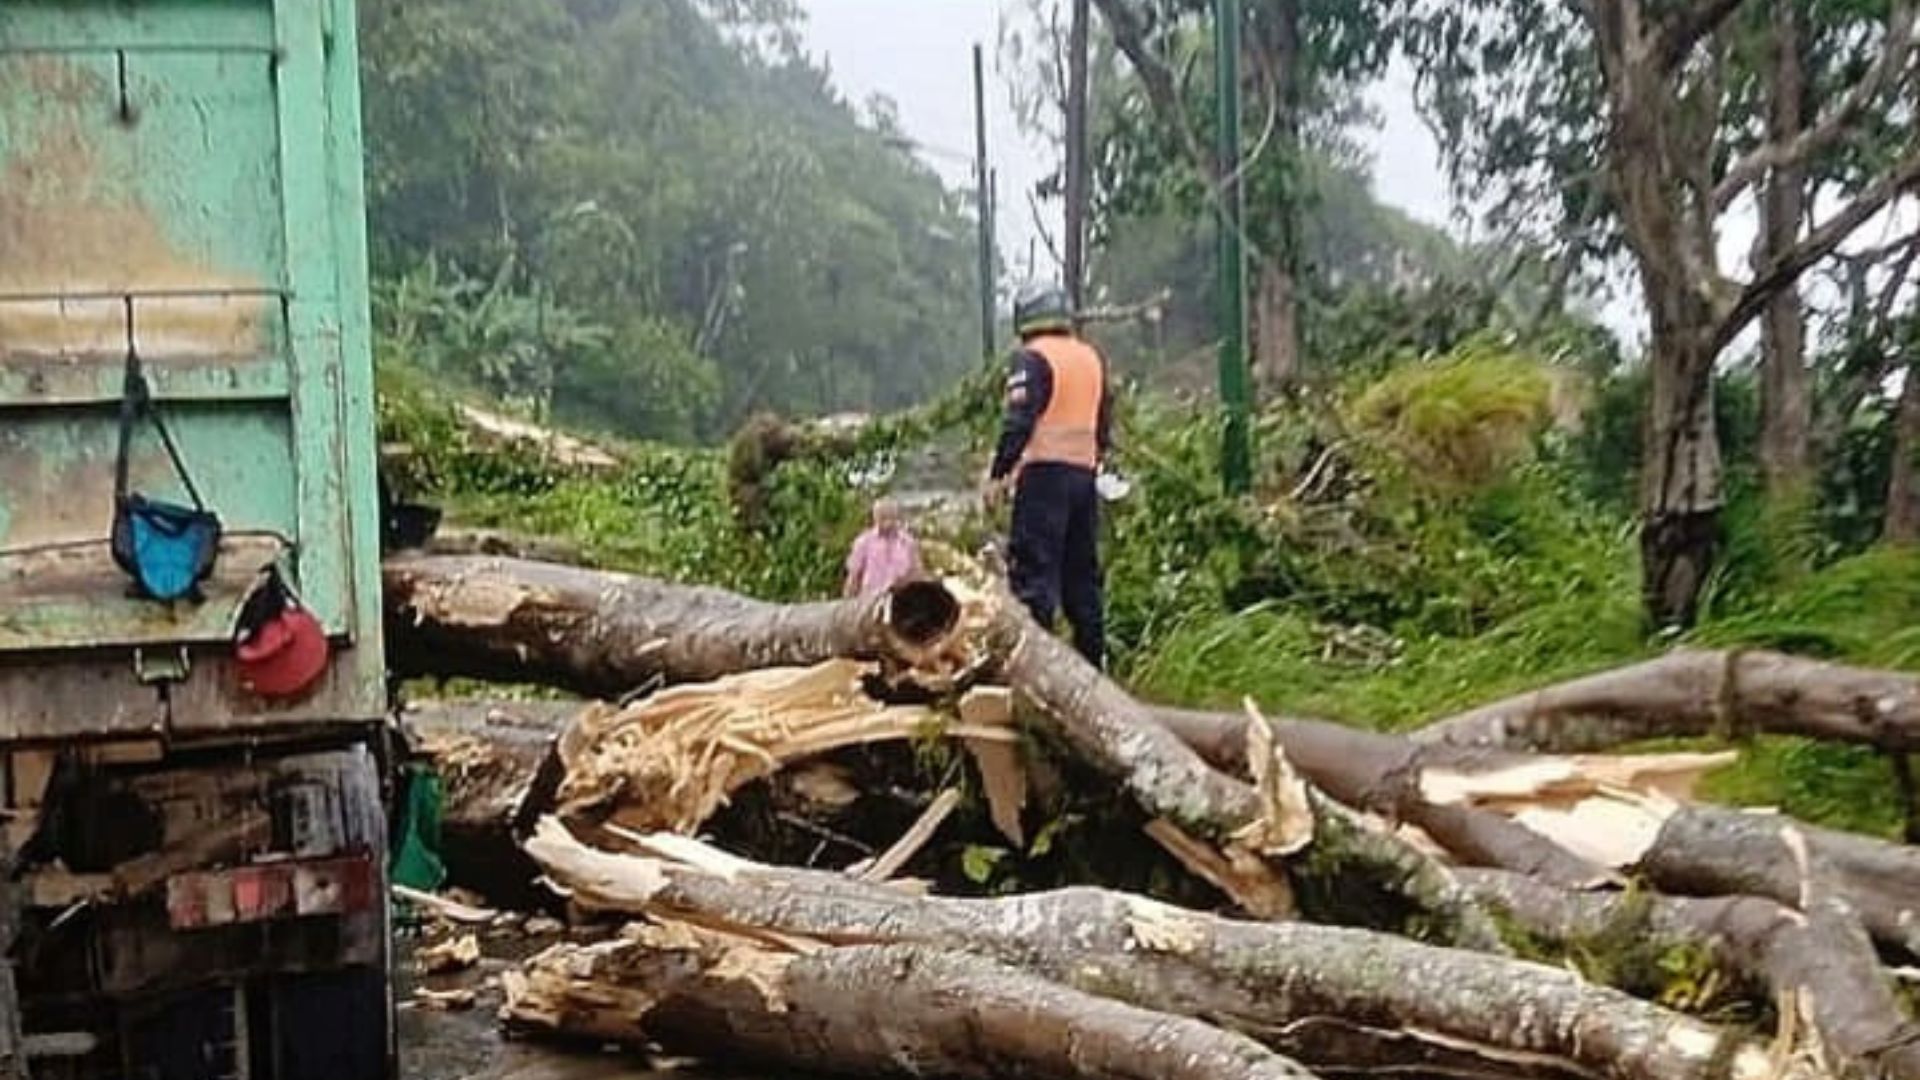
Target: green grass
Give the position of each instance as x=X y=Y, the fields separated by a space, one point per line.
x=1864 y=610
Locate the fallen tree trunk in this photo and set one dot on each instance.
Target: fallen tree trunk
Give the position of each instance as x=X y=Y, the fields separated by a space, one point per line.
x=1709 y=851
x=888 y=1010
x=1114 y=733
x=1394 y=1001
x=1698 y=692
x=604 y=634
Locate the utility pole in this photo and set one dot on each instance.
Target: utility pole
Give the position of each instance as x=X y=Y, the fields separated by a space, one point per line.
x=1076 y=186
x=1236 y=451
x=983 y=195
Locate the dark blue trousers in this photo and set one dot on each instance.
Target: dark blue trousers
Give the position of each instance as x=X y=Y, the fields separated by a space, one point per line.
x=1053 y=557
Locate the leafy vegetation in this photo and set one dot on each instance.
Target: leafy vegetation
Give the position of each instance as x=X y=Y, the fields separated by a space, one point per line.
x=652 y=219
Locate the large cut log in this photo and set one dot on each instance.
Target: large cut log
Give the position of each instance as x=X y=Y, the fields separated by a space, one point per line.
x=605 y=634
x=1699 y=692
x=1286 y=984
x=864 y=1011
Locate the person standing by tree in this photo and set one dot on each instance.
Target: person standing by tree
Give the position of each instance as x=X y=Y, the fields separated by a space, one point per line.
x=883 y=556
x=1057 y=430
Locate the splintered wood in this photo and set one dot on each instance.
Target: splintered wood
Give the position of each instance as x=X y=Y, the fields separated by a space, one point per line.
x=1609 y=809
x=671 y=761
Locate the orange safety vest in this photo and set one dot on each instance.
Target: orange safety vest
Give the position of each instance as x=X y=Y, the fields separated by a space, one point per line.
x=1069 y=430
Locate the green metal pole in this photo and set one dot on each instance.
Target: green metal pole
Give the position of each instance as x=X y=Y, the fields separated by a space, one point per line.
x=982 y=182
x=1236 y=451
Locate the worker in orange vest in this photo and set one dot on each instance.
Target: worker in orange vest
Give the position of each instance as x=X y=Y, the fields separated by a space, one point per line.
x=1057 y=431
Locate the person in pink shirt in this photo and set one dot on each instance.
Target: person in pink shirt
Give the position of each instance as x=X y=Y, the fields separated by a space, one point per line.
x=882 y=556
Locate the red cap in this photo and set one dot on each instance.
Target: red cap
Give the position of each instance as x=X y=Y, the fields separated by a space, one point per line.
x=284 y=657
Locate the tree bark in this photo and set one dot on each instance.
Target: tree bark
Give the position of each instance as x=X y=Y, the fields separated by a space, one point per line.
x=864 y=1011
x=1709 y=851
x=1696 y=692
x=1077 y=185
x=1786 y=399
x=1117 y=735
x=1276 y=333
x=1280 y=983
x=1817 y=962
x=1680 y=529
x=1652 y=158
x=1903 y=478
x=1380 y=773
x=604 y=634
x=1276 y=301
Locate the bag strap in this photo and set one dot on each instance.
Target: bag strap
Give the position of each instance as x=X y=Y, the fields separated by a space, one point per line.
x=136 y=398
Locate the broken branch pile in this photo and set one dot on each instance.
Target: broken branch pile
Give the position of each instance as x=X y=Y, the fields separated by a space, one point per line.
x=1459 y=835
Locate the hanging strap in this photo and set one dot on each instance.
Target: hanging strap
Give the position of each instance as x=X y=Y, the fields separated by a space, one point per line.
x=136 y=398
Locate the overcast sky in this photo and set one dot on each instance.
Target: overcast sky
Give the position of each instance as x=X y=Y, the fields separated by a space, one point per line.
x=917 y=52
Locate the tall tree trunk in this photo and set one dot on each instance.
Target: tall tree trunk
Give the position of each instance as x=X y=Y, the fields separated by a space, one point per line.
x=1903 y=487
x=1681 y=487
x=1276 y=330
x=1276 y=294
x=1654 y=163
x=1786 y=408
x=1076 y=186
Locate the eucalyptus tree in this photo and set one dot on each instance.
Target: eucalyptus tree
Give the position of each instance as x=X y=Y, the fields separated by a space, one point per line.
x=1609 y=125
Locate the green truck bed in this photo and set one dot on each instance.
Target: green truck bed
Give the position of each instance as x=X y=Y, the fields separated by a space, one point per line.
x=182 y=177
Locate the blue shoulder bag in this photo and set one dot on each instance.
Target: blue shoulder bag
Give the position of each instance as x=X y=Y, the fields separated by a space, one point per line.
x=167 y=549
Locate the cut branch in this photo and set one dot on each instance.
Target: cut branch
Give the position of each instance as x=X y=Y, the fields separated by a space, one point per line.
x=1575 y=821
x=1111 y=731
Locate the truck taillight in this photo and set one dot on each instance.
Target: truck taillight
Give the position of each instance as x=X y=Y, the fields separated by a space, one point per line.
x=267 y=891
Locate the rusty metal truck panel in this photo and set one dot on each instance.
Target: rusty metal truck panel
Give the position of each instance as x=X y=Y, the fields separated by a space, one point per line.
x=181 y=179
